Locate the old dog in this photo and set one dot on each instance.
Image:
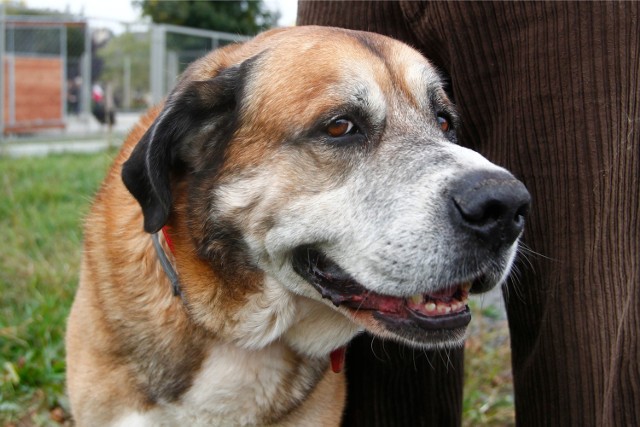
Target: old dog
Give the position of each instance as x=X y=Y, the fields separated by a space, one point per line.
x=290 y=192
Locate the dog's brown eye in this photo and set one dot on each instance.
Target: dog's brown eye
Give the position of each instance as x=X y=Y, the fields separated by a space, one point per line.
x=444 y=123
x=340 y=127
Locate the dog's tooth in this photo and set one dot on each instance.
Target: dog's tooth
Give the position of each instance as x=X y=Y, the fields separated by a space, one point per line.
x=444 y=309
x=416 y=299
x=430 y=306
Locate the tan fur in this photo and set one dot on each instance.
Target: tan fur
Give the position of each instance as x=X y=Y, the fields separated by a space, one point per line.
x=120 y=271
x=239 y=347
x=124 y=294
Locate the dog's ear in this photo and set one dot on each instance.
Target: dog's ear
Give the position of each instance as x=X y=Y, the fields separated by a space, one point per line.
x=193 y=104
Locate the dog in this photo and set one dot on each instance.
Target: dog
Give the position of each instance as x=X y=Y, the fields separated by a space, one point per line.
x=292 y=191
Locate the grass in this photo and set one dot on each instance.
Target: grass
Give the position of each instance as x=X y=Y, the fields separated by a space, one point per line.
x=42 y=203
x=488 y=385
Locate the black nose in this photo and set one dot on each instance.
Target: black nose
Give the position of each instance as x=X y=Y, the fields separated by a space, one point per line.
x=492 y=205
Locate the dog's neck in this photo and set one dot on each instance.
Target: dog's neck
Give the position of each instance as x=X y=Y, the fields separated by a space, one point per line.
x=337 y=356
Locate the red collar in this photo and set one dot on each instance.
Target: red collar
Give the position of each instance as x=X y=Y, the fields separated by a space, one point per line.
x=165 y=233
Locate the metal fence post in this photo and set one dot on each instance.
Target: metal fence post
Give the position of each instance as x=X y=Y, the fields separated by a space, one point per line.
x=10 y=77
x=126 y=82
x=2 y=76
x=64 y=83
x=86 y=75
x=156 y=75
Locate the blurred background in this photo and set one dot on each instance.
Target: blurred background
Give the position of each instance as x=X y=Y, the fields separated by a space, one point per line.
x=75 y=76
x=73 y=68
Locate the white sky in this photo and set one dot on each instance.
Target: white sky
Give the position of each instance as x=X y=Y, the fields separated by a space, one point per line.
x=121 y=10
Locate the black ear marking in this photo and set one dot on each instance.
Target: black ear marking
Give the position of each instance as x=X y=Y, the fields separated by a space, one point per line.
x=135 y=175
x=147 y=172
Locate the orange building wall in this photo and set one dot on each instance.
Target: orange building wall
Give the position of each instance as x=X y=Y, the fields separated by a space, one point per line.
x=38 y=94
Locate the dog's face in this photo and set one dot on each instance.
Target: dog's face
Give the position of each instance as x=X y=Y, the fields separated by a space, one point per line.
x=317 y=170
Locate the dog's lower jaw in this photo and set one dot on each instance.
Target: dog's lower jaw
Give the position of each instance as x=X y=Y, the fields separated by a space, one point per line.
x=311 y=328
x=404 y=334
x=319 y=329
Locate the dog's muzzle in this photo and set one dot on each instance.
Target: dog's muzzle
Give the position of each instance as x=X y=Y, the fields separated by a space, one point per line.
x=487 y=212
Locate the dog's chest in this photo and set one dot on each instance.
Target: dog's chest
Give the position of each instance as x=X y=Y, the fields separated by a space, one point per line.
x=247 y=387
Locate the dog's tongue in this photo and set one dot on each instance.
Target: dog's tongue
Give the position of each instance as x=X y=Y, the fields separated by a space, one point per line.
x=337 y=359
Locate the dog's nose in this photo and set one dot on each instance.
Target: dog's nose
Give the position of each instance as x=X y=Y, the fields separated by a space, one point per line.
x=492 y=205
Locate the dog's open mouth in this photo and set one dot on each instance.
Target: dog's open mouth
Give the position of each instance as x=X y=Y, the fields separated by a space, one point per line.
x=443 y=310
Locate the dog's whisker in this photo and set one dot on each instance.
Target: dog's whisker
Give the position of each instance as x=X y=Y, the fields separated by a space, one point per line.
x=426 y=355
x=373 y=351
x=528 y=251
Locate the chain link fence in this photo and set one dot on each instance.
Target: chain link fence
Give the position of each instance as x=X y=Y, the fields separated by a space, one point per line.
x=65 y=76
x=39 y=57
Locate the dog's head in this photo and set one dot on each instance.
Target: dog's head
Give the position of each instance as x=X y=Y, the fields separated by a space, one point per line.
x=317 y=170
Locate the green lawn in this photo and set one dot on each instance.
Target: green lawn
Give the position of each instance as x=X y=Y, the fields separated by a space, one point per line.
x=42 y=203
x=488 y=386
